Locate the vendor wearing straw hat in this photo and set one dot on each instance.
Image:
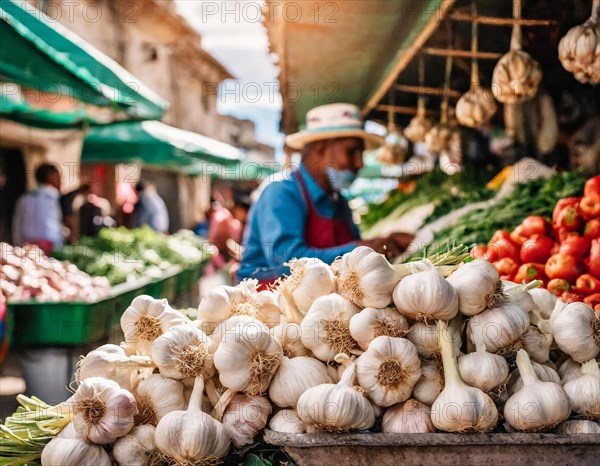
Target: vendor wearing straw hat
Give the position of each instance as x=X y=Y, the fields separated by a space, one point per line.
x=304 y=215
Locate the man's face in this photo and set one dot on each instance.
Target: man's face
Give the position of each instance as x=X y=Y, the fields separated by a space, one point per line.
x=54 y=179
x=345 y=154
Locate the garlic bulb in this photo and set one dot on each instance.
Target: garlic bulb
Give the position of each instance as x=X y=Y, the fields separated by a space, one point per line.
x=483 y=370
x=183 y=351
x=137 y=448
x=145 y=320
x=190 y=437
x=518 y=294
x=269 y=312
x=232 y=326
x=410 y=417
x=438 y=138
x=371 y=323
x=425 y=339
x=584 y=391
x=103 y=410
x=578 y=427
x=248 y=359
x=337 y=407
x=542 y=372
x=289 y=337
x=476 y=107
x=538 y=405
x=426 y=294
x=287 y=421
x=112 y=362
x=568 y=370
x=388 y=370
x=478 y=286
x=430 y=384
x=309 y=279
x=244 y=417
x=576 y=330
x=417 y=128
x=460 y=408
x=326 y=327
x=579 y=49
x=366 y=278
x=156 y=396
x=224 y=302
x=395 y=148
x=544 y=303
x=74 y=452
x=499 y=328
x=294 y=377
x=537 y=344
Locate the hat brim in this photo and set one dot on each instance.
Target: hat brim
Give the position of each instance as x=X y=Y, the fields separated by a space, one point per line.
x=298 y=141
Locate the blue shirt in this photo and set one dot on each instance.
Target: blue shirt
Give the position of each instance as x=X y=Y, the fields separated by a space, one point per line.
x=152 y=211
x=38 y=217
x=275 y=231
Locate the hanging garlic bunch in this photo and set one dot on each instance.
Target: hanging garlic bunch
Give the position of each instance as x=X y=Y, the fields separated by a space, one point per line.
x=388 y=370
x=460 y=408
x=477 y=106
x=61 y=451
x=145 y=320
x=426 y=294
x=425 y=339
x=438 y=138
x=450 y=161
x=537 y=344
x=247 y=360
x=340 y=407
x=500 y=328
x=578 y=427
x=410 y=417
x=287 y=421
x=478 y=286
x=419 y=125
x=103 y=410
x=137 y=448
x=579 y=49
x=431 y=383
x=326 y=327
x=537 y=406
x=366 y=278
x=584 y=391
x=517 y=75
x=309 y=279
x=157 y=396
x=294 y=377
x=289 y=337
x=182 y=352
x=483 y=370
x=576 y=330
x=244 y=417
x=395 y=147
x=112 y=362
x=371 y=323
x=192 y=436
x=542 y=372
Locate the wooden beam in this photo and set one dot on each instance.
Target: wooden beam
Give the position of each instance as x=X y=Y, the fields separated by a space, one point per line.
x=459 y=15
x=404 y=110
x=460 y=53
x=405 y=56
x=426 y=90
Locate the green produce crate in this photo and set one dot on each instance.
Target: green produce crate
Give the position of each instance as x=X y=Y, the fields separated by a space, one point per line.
x=165 y=286
x=189 y=277
x=54 y=324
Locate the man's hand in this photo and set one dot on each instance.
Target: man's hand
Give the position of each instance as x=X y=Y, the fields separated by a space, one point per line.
x=391 y=246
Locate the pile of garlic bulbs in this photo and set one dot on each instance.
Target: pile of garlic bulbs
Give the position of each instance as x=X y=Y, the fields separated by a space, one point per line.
x=336 y=351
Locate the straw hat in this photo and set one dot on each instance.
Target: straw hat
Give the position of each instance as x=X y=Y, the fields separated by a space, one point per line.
x=330 y=122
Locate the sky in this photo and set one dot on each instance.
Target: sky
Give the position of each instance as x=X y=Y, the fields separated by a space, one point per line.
x=232 y=32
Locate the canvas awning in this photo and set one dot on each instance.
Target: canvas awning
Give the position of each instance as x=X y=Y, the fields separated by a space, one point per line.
x=39 y=53
x=157 y=144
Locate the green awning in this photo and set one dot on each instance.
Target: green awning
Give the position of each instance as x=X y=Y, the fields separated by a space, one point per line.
x=248 y=170
x=22 y=112
x=39 y=53
x=154 y=143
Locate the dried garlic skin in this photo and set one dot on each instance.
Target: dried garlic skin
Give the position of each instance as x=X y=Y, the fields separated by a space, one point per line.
x=244 y=417
x=410 y=417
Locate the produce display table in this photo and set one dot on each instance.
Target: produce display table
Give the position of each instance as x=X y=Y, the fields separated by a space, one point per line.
x=365 y=449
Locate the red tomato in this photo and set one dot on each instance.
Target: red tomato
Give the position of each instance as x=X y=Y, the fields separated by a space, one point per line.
x=592 y=229
x=499 y=235
x=529 y=272
x=506 y=267
x=483 y=252
x=575 y=245
x=589 y=206
x=517 y=237
x=534 y=225
x=592 y=186
x=592 y=300
x=562 y=266
x=561 y=205
x=536 y=249
x=594 y=258
x=569 y=219
x=504 y=247
x=560 y=234
x=558 y=286
x=586 y=284
x=570 y=297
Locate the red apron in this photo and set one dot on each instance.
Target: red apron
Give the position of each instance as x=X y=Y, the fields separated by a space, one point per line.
x=321 y=232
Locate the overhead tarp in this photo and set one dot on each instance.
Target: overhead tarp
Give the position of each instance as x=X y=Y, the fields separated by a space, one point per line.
x=249 y=170
x=344 y=51
x=157 y=144
x=39 y=53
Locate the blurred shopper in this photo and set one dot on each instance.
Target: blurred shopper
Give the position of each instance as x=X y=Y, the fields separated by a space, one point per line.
x=150 y=209
x=70 y=212
x=38 y=217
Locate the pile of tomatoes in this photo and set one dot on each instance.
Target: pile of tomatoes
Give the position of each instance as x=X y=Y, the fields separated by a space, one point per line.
x=563 y=253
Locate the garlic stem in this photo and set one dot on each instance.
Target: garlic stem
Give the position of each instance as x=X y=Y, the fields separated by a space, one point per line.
x=515 y=38
x=526 y=368
x=195 y=403
x=212 y=392
x=595 y=11
x=524 y=287
x=445 y=341
x=349 y=375
x=221 y=406
x=474 y=63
